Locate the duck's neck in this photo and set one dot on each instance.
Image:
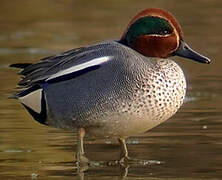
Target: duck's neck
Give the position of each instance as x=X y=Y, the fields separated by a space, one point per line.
x=123 y=41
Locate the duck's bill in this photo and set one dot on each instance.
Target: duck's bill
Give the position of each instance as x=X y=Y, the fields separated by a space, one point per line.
x=185 y=51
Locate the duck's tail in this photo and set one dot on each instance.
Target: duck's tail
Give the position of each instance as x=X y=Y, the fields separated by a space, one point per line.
x=20 y=65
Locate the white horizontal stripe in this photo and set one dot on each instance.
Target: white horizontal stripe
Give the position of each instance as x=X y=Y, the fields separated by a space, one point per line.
x=33 y=100
x=91 y=63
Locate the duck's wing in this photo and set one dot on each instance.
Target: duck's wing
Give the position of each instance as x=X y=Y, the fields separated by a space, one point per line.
x=53 y=69
x=63 y=66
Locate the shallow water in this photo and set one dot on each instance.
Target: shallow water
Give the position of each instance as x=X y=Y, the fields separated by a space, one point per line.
x=188 y=146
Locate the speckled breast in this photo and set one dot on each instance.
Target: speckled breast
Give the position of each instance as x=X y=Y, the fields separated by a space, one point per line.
x=158 y=92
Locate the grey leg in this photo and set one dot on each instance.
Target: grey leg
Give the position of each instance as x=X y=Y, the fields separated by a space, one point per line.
x=125 y=160
x=123 y=151
x=80 y=155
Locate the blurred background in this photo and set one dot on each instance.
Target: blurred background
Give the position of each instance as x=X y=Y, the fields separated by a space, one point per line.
x=188 y=146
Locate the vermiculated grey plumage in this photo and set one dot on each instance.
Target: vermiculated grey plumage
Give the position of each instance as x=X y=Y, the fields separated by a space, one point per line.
x=111 y=99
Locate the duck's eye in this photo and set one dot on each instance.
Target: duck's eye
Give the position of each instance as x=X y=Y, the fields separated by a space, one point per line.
x=165 y=32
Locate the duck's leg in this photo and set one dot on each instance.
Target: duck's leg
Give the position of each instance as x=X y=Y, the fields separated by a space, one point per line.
x=124 y=158
x=82 y=160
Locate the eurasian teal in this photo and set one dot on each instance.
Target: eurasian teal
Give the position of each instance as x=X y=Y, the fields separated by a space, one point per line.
x=114 y=88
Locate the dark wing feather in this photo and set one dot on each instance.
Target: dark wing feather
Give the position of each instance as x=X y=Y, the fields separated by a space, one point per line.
x=20 y=65
x=40 y=71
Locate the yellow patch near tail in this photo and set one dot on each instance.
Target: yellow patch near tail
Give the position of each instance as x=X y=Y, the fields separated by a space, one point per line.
x=33 y=100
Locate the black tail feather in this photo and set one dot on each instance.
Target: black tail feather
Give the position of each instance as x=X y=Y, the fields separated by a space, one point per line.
x=20 y=65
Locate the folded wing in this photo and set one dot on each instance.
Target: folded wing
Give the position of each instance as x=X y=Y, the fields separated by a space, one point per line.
x=62 y=66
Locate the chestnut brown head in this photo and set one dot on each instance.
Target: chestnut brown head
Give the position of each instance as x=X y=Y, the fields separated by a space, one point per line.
x=156 y=33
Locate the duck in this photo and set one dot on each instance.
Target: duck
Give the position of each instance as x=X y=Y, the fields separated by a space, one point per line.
x=112 y=89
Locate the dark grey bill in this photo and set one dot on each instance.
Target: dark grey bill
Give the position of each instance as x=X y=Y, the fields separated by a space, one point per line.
x=185 y=51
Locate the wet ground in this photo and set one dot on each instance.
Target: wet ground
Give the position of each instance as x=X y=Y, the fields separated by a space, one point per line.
x=188 y=146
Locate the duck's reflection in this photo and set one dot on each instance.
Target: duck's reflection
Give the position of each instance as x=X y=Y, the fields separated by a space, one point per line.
x=123 y=172
x=101 y=169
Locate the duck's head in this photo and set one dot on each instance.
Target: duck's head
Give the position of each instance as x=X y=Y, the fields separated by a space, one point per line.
x=156 y=33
